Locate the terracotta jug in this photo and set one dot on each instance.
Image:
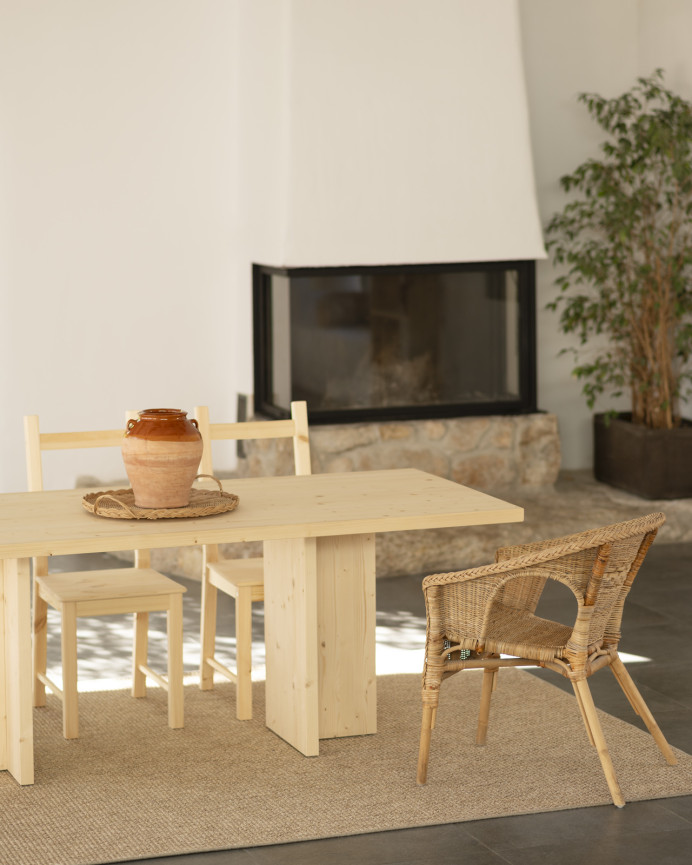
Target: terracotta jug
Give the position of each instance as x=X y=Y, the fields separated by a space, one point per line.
x=161 y=452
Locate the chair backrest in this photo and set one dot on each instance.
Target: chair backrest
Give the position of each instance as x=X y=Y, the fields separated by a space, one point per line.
x=36 y=442
x=598 y=565
x=296 y=428
x=621 y=549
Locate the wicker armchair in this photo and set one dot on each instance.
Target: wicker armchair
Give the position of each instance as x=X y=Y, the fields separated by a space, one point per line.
x=475 y=617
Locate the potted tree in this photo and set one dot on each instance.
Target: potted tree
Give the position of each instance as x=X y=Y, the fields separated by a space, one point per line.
x=623 y=246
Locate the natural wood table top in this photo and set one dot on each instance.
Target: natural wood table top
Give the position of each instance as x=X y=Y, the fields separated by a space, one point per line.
x=270 y=508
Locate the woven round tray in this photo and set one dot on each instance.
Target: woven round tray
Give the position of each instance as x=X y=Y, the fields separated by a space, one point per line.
x=120 y=505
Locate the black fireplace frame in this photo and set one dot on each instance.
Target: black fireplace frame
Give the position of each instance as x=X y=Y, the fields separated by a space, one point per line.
x=525 y=404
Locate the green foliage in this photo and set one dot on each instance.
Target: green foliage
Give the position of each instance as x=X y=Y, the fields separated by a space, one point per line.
x=623 y=244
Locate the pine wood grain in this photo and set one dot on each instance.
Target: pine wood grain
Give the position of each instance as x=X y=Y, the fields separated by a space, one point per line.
x=54 y=522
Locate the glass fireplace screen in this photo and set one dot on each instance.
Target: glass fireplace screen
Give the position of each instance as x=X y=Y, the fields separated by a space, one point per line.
x=386 y=343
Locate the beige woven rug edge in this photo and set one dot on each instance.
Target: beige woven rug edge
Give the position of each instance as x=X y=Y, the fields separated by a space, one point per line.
x=131 y=788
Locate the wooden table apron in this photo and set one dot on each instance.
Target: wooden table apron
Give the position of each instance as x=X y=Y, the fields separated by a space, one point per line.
x=319 y=550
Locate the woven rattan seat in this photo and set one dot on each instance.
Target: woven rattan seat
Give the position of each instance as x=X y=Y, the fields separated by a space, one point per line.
x=510 y=628
x=485 y=618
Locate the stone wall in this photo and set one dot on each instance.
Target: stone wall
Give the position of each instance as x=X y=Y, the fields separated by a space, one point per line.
x=493 y=454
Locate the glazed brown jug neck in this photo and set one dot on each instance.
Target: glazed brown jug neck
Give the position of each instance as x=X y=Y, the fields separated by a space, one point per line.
x=164 y=424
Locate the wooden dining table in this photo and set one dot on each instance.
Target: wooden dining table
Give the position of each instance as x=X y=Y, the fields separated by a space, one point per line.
x=318 y=533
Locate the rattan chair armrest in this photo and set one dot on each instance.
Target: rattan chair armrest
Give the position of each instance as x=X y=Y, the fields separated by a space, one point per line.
x=580 y=540
x=506 y=566
x=516 y=550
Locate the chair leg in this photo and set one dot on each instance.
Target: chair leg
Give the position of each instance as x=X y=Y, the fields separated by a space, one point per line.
x=243 y=644
x=207 y=637
x=140 y=654
x=586 y=701
x=40 y=646
x=175 y=662
x=583 y=715
x=424 y=748
x=632 y=693
x=70 y=702
x=487 y=688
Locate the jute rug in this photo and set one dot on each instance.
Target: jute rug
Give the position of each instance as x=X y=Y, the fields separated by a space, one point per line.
x=130 y=787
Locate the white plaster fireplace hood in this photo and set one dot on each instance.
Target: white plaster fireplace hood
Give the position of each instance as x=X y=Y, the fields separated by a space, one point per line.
x=384 y=132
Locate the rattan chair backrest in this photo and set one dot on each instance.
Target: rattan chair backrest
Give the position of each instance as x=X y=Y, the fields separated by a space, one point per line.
x=598 y=565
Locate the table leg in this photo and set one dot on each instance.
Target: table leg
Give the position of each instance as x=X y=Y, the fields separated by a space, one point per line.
x=346 y=635
x=290 y=637
x=319 y=612
x=16 y=722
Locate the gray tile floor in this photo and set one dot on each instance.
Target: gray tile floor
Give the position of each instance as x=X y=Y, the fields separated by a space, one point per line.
x=657 y=626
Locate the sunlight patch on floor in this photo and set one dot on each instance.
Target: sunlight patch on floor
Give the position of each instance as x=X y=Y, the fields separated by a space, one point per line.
x=626 y=658
x=400 y=648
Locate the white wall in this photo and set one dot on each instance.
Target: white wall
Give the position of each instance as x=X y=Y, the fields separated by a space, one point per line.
x=571 y=48
x=117 y=177
x=131 y=202
x=367 y=81
x=409 y=136
x=360 y=142
x=665 y=28
x=262 y=133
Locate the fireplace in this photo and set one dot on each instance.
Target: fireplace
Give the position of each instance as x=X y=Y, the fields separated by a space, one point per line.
x=378 y=343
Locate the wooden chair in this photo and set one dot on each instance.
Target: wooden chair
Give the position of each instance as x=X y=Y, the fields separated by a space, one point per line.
x=476 y=617
x=241 y=579
x=139 y=590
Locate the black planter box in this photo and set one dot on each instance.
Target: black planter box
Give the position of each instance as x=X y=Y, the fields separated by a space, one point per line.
x=653 y=464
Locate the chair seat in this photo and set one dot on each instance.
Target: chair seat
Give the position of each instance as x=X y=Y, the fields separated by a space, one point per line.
x=517 y=632
x=106 y=585
x=230 y=575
